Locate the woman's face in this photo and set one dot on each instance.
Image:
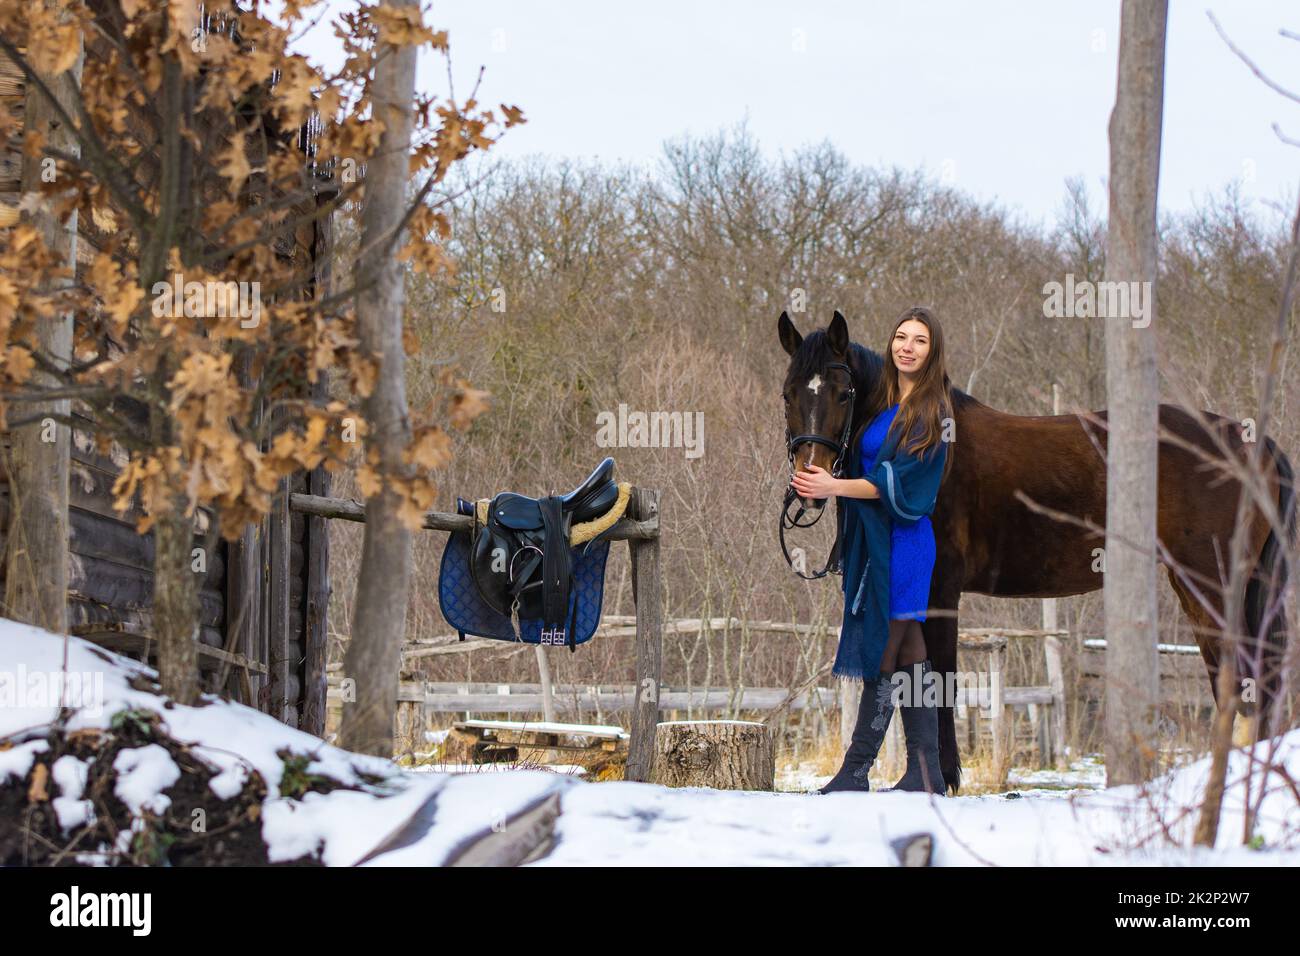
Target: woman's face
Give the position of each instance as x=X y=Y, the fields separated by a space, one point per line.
x=911 y=347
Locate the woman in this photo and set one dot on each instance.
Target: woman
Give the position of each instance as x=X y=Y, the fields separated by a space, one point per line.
x=888 y=552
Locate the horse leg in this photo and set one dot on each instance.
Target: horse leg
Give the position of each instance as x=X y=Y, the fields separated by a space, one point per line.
x=1204 y=628
x=1265 y=606
x=940 y=632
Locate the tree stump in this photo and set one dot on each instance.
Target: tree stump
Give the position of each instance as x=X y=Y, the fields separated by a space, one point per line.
x=722 y=754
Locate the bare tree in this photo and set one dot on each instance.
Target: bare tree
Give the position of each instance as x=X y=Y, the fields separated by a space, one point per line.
x=1132 y=665
x=1228 y=683
x=379 y=624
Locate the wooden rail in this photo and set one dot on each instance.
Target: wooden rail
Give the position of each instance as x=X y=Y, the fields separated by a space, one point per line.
x=485 y=697
x=348 y=509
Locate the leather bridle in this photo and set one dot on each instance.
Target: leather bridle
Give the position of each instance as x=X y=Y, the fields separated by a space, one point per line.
x=841 y=449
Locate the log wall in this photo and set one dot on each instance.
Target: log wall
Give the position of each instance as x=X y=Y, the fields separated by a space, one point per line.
x=264 y=597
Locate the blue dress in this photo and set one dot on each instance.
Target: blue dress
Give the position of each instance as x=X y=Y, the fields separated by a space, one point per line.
x=911 y=558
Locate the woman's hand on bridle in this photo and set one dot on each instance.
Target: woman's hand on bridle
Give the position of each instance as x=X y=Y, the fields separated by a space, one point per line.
x=814 y=482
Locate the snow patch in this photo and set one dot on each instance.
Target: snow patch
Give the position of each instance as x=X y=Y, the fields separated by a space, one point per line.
x=17 y=761
x=70 y=774
x=143 y=773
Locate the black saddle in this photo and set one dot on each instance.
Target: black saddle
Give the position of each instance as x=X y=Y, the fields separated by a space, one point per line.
x=520 y=551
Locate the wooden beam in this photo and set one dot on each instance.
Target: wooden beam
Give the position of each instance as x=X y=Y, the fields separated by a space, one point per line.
x=347 y=509
x=449 y=698
x=277 y=595
x=648 y=598
x=130 y=640
x=412 y=653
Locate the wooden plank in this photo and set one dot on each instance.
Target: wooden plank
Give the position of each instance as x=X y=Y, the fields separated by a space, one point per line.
x=1000 y=721
x=1009 y=632
x=245 y=629
x=99 y=536
x=410 y=653
x=241 y=614
x=1099 y=644
x=116 y=585
x=280 y=662
x=612 y=701
x=753 y=698
x=316 y=636
x=315 y=630
x=648 y=598
x=1053 y=649
x=1027 y=696
x=850 y=700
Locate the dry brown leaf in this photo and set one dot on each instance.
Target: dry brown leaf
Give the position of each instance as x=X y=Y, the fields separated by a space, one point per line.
x=39 y=792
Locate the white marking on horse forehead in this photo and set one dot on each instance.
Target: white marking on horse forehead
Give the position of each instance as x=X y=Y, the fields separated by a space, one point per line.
x=815 y=384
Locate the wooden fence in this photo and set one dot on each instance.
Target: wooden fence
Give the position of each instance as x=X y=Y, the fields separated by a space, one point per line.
x=640 y=529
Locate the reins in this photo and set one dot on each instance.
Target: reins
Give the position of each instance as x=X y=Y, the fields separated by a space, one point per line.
x=841 y=449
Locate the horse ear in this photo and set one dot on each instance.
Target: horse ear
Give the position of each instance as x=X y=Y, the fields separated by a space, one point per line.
x=838 y=334
x=789 y=335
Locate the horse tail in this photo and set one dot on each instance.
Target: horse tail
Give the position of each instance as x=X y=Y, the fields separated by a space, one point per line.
x=1265 y=595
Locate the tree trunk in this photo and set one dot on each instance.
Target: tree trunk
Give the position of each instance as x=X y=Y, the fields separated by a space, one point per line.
x=175 y=611
x=176 y=605
x=722 y=754
x=1132 y=667
x=374 y=651
x=36 y=558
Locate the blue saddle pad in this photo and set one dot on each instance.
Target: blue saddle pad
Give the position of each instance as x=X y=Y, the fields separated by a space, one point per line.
x=468 y=613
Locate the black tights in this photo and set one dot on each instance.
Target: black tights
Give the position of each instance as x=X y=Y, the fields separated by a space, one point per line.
x=905 y=646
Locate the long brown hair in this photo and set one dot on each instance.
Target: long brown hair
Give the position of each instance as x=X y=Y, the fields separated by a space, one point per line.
x=929 y=404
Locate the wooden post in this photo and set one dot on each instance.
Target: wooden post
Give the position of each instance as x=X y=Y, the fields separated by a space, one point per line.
x=850 y=697
x=315 y=632
x=548 y=694
x=1056 y=681
x=1052 y=653
x=895 y=747
x=1001 y=756
x=278 y=659
x=648 y=598
x=1038 y=729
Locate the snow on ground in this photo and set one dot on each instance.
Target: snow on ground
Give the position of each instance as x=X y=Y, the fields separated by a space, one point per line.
x=231 y=739
x=606 y=823
x=637 y=824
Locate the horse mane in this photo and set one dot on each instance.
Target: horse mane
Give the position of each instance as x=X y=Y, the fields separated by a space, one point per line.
x=962 y=399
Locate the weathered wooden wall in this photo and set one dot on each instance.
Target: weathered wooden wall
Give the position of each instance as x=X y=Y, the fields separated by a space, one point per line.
x=264 y=597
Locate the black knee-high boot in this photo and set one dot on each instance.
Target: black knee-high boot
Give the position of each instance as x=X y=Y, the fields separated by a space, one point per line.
x=875 y=708
x=921 y=727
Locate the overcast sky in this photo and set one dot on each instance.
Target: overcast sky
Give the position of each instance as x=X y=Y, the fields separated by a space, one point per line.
x=1002 y=98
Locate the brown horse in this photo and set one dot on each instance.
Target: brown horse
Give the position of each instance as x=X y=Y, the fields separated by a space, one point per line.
x=989 y=541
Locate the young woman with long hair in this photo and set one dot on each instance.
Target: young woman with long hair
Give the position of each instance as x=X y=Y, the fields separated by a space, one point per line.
x=899 y=458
